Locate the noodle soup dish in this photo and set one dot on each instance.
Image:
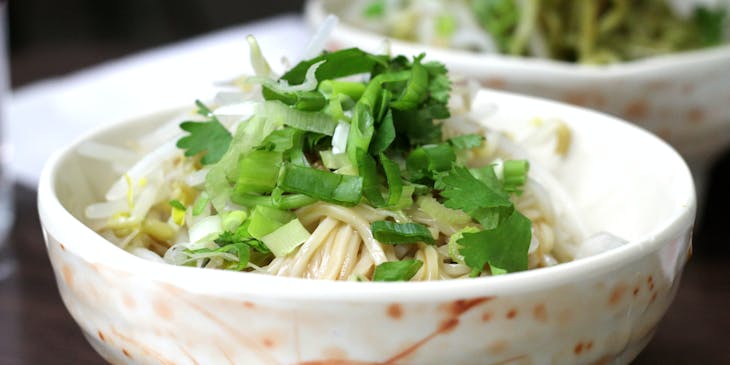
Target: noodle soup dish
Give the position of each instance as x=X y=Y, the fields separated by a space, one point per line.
x=362 y=209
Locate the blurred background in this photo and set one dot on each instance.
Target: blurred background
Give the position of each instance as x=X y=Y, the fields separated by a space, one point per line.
x=52 y=39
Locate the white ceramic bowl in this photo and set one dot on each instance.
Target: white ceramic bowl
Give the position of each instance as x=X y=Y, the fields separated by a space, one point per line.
x=683 y=98
x=598 y=310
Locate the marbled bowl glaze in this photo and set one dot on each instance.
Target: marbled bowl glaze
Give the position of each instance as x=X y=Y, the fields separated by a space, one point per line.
x=682 y=97
x=599 y=310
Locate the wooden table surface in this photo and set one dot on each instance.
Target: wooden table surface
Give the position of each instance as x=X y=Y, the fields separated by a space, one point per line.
x=35 y=328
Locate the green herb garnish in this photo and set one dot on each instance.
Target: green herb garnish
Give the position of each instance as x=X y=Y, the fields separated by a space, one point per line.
x=210 y=137
x=397 y=270
x=396 y=233
x=376 y=142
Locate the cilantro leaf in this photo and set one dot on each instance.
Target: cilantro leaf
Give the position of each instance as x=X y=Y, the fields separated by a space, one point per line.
x=241 y=249
x=210 y=137
x=504 y=247
x=240 y=235
x=203 y=110
x=462 y=190
x=397 y=270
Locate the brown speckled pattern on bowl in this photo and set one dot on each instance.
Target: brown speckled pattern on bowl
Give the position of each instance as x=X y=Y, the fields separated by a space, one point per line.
x=598 y=310
x=602 y=319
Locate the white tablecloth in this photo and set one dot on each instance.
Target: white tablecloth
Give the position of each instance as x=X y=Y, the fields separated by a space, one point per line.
x=45 y=116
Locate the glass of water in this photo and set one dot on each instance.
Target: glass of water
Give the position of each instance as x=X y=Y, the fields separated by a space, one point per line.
x=7 y=262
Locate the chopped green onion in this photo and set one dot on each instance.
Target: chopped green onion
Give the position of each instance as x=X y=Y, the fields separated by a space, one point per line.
x=397 y=233
x=361 y=132
x=200 y=203
x=382 y=105
x=416 y=89
x=322 y=185
x=258 y=172
x=454 y=246
x=334 y=161
x=351 y=89
x=310 y=101
x=285 y=202
x=370 y=179
x=265 y=220
x=467 y=141
x=232 y=220
x=406 y=197
x=375 y=86
x=425 y=161
x=384 y=135
x=280 y=140
x=335 y=107
x=454 y=217
x=395 y=182
x=303 y=120
x=514 y=175
x=177 y=204
x=286 y=238
x=397 y=270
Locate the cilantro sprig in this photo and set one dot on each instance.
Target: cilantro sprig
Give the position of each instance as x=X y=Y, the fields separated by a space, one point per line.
x=506 y=233
x=209 y=137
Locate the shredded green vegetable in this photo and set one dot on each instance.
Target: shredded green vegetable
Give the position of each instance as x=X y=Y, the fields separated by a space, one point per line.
x=589 y=32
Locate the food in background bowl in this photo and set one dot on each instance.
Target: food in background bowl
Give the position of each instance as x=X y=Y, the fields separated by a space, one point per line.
x=600 y=308
x=594 y=32
x=681 y=97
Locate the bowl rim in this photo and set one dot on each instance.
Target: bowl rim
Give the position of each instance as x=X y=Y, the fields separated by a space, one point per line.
x=62 y=226
x=314 y=14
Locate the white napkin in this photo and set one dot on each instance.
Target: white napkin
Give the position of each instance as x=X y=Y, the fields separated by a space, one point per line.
x=49 y=114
